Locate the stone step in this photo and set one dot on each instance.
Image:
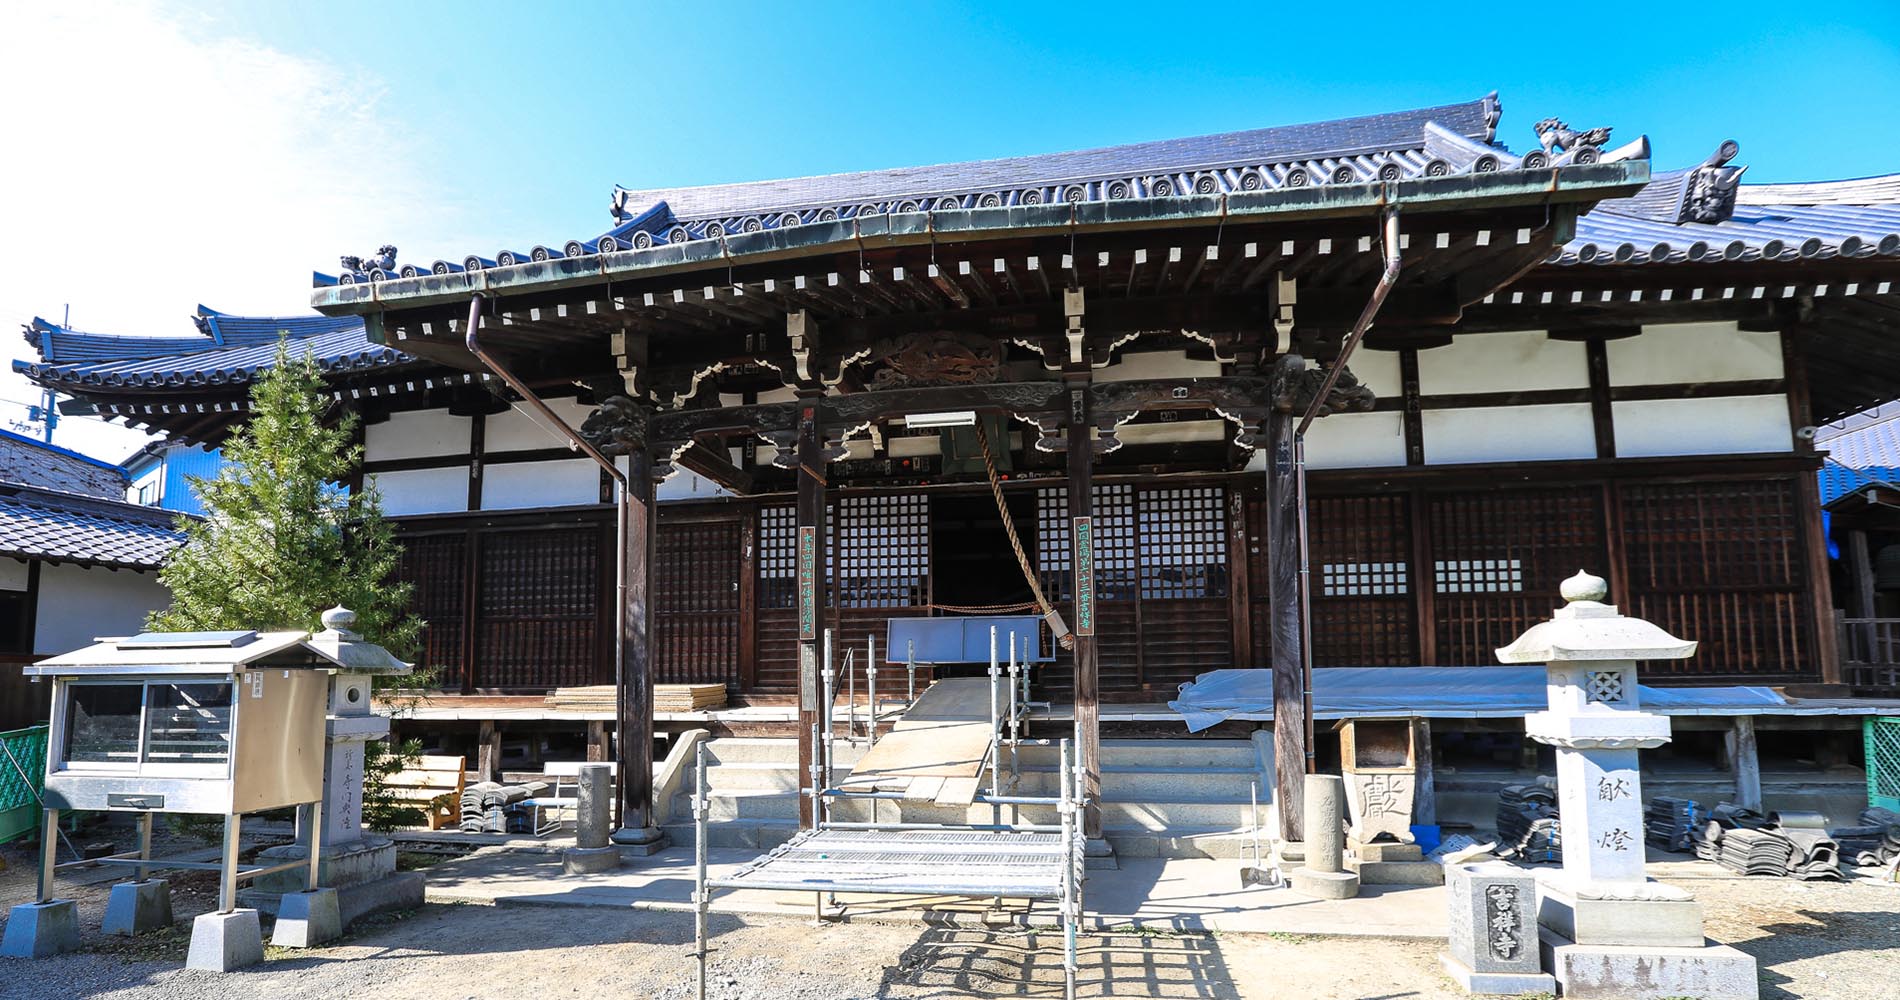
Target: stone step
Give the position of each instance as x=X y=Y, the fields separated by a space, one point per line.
x=762 y=750
x=1135 y=783
x=1158 y=817
x=1151 y=754
x=765 y=834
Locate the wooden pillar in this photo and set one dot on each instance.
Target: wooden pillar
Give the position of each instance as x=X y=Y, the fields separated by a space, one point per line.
x=1290 y=761
x=1425 y=801
x=812 y=585
x=1088 y=709
x=1744 y=761
x=1860 y=575
x=635 y=722
x=596 y=742
x=1827 y=652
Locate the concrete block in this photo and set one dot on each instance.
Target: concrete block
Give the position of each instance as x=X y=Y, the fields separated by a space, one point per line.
x=222 y=942
x=41 y=930
x=401 y=891
x=1502 y=983
x=640 y=843
x=307 y=919
x=1671 y=923
x=1492 y=918
x=1383 y=852
x=1621 y=972
x=1292 y=853
x=138 y=907
x=590 y=860
x=1324 y=885
x=1397 y=872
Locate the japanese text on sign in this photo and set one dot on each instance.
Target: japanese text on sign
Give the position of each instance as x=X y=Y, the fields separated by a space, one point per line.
x=1084 y=576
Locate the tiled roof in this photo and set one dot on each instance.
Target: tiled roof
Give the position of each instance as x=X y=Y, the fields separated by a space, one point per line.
x=66 y=527
x=1428 y=142
x=232 y=350
x=1705 y=213
x=1873 y=445
x=36 y=463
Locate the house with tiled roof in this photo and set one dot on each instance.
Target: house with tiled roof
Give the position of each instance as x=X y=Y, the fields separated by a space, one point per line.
x=1471 y=357
x=76 y=561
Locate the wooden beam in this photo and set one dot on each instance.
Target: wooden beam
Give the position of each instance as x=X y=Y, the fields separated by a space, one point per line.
x=812 y=585
x=1602 y=419
x=1290 y=750
x=706 y=461
x=1088 y=718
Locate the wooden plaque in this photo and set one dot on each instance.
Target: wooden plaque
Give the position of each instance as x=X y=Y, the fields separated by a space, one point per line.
x=807 y=582
x=1084 y=536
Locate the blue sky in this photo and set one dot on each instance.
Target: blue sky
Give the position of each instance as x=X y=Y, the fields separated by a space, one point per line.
x=220 y=151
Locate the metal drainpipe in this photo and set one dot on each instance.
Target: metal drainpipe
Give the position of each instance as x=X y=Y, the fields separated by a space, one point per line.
x=622 y=513
x=1388 y=278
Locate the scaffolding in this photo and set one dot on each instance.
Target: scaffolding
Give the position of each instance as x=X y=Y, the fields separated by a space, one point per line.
x=997 y=860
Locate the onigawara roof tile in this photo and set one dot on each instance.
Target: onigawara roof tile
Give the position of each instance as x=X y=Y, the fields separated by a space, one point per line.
x=1427 y=142
x=230 y=351
x=55 y=526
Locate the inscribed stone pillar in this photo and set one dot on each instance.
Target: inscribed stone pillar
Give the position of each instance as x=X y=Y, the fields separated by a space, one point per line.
x=1493 y=918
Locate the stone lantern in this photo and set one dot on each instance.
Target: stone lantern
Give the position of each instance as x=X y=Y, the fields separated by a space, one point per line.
x=360 y=866
x=1608 y=931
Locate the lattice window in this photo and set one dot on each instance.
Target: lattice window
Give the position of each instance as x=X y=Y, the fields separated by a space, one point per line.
x=1603 y=687
x=437 y=566
x=1363 y=579
x=883 y=551
x=778 y=557
x=538 y=608
x=1479 y=576
x=1183 y=542
x=1115 y=543
x=696 y=627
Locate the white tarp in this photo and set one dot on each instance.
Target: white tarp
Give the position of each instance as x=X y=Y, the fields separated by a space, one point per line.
x=1431 y=692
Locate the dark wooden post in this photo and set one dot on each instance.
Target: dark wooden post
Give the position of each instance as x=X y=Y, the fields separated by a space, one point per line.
x=1283 y=596
x=812 y=585
x=635 y=724
x=1088 y=709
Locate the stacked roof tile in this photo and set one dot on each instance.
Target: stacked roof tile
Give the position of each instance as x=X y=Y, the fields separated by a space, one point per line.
x=230 y=351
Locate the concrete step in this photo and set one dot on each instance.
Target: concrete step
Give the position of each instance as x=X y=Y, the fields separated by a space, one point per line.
x=779 y=777
x=1155 y=754
x=1136 y=783
x=765 y=834
x=761 y=750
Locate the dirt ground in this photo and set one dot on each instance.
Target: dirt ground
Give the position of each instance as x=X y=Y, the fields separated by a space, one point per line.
x=1818 y=941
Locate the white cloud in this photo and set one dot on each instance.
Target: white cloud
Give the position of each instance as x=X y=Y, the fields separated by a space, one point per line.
x=155 y=162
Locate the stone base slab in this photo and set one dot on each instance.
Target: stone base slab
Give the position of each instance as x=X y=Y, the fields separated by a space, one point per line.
x=1324 y=885
x=308 y=919
x=1292 y=853
x=1397 y=872
x=640 y=843
x=1620 y=972
x=1505 y=983
x=1383 y=852
x=590 y=860
x=222 y=942
x=1099 y=855
x=135 y=908
x=339 y=866
x=401 y=891
x=41 y=930
x=1639 y=923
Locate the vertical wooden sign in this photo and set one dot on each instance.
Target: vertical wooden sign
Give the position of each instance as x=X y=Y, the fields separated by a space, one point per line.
x=807 y=582
x=1084 y=536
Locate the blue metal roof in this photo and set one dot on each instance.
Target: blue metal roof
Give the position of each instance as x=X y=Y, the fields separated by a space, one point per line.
x=232 y=351
x=67 y=527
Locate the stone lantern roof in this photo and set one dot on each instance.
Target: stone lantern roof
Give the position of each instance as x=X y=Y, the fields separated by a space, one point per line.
x=348 y=650
x=1588 y=629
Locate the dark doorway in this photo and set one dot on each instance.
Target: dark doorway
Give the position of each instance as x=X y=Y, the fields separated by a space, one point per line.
x=972 y=564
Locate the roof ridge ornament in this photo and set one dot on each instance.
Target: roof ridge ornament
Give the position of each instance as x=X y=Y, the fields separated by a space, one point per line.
x=384 y=258
x=1556 y=135
x=1708 y=194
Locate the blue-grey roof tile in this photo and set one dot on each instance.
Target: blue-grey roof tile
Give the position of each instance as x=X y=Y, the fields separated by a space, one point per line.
x=67 y=527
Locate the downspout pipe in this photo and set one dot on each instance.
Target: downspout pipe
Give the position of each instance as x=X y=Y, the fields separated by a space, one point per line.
x=1387 y=279
x=622 y=514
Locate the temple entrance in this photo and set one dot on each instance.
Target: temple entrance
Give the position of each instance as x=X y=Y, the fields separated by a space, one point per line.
x=972 y=565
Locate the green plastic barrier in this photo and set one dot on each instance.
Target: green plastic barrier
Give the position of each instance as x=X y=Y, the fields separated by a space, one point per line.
x=22 y=778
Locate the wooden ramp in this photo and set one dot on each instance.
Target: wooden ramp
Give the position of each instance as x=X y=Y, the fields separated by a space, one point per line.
x=935 y=752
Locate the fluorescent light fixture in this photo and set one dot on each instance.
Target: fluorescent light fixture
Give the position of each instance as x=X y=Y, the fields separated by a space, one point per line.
x=951 y=418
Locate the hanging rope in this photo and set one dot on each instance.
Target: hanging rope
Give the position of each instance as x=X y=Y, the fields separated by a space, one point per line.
x=1049 y=613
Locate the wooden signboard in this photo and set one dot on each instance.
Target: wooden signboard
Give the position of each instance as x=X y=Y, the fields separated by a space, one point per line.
x=807 y=582
x=1084 y=535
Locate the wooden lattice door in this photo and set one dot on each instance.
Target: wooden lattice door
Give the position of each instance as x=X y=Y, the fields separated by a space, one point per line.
x=436 y=567
x=698 y=627
x=538 y=621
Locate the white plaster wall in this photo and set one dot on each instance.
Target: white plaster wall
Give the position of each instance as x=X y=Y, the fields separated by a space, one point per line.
x=416 y=434
x=1379 y=371
x=423 y=491
x=1353 y=441
x=79 y=604
x=1157 y=364
x=1502 y=362
x=514 y=430
x=13 y=574
x=688 y=485
x=151 y=479
x=1694 y=352
x=564 y=483
x=1721 y=426
x=1508 y=434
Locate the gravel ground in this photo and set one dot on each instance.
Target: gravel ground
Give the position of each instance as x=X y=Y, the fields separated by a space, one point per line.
x=1819 y=941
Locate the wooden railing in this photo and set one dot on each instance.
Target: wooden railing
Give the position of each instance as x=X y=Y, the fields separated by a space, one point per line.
x=1870 y=654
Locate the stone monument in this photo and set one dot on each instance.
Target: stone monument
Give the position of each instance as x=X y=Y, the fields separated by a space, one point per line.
x=356 y=866
x=1608 y=931
x=1493 y=947
x=1378 y=759
x=1323 y=876
x=593 y=823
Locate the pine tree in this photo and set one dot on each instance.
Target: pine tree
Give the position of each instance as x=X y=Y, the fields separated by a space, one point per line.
x=281 y=540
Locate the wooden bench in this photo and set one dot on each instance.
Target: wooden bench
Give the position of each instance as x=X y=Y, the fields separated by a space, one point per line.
x=434 y=787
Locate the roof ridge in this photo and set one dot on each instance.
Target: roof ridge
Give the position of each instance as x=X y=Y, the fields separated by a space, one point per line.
x=56 y=449
x=49 y=498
